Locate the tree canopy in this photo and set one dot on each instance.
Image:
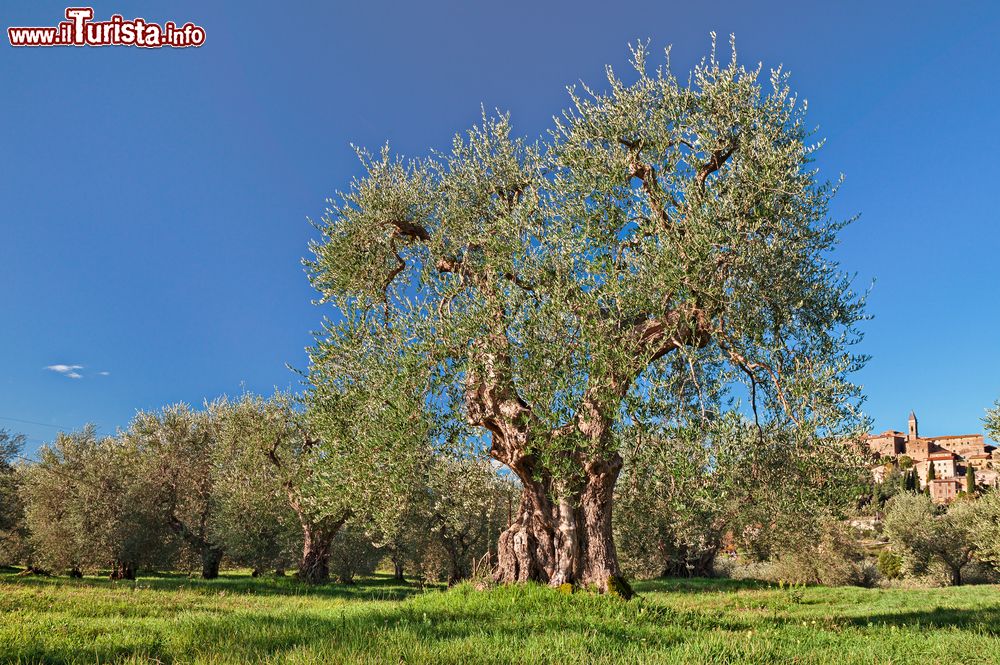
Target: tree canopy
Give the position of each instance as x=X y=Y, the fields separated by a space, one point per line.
x=668 y=241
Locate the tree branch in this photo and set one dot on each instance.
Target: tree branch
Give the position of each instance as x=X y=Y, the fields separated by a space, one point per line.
x=719 y=157
x=410 y=230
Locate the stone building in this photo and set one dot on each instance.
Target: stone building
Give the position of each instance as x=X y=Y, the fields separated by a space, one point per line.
x=951 y=456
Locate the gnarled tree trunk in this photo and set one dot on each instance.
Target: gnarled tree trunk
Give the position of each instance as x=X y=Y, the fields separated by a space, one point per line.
x=564 y=540
x=526 y=550
x=314 y=567
x=562 y=532
x=211 y=559
x=597 y=546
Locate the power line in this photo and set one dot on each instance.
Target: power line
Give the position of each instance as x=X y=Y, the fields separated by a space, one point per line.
x=33 y=422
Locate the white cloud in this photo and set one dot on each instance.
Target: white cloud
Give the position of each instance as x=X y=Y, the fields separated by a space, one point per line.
x=74 y=375
x=105 y=373
x=64 y=369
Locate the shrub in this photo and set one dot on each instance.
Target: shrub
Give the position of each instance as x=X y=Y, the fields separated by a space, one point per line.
x=890 y=564
x=834 y=559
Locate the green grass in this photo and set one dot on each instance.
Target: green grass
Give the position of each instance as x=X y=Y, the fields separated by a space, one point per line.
x=237 y=619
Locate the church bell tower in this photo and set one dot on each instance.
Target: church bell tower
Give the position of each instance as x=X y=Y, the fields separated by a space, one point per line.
x=912 y=434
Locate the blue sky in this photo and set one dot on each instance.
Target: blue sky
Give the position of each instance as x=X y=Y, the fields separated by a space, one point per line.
x=153 y=203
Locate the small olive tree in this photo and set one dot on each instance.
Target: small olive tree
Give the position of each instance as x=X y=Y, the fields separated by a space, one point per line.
x=467 y=507
x=924 y=534
x=371 y=411
x=257 y=522
x=178 y=444
x=12 y=528
x=268 y=449
x=90 y=504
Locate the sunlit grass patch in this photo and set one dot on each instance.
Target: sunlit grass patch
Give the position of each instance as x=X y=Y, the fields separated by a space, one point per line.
x=241 y=619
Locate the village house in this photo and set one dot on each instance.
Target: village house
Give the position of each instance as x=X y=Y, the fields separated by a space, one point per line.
x=951 y=457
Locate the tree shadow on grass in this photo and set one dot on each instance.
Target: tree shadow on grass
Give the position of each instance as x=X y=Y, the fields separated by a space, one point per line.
x=375 y=587
x=982 y=621
x=699 y=585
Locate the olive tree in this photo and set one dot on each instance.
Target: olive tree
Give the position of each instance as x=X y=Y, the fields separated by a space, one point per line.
x=467 y=506
x=178 y=444
x=89 y=505
x=688 y=491
x=12 y=528
x=49 y=492
x=257 y=521
x=371 y=411
x=269 y=460
x=925 y=535
x=667 y=231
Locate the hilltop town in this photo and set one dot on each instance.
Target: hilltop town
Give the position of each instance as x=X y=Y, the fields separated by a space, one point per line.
x=941 y=462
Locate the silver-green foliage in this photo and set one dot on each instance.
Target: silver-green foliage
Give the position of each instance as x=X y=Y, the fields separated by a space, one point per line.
x=12 y=528
x=928 y=536
x=688 y=203
x=90 y=505
x=986 y=528
x=688 y=492
x=259 y=471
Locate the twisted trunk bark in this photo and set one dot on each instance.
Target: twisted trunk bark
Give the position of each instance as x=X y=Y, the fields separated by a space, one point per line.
x=562 y=533
x=526 y=550
x=566 y=540
x=314 y=568
x=599 y=556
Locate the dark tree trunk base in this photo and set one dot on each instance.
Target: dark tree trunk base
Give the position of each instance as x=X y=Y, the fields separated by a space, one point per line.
x=314 y=568
x=685 y=563
x=211 y=559
x=123 y=571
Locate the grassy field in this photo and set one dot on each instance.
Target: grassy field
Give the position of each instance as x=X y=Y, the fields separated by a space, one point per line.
x=238 y=619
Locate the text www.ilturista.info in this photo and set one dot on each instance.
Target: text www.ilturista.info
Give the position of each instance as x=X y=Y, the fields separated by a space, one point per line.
x=80 y=30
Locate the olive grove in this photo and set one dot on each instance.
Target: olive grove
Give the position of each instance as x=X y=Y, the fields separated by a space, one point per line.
x=242 y=482
x=615 y=350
